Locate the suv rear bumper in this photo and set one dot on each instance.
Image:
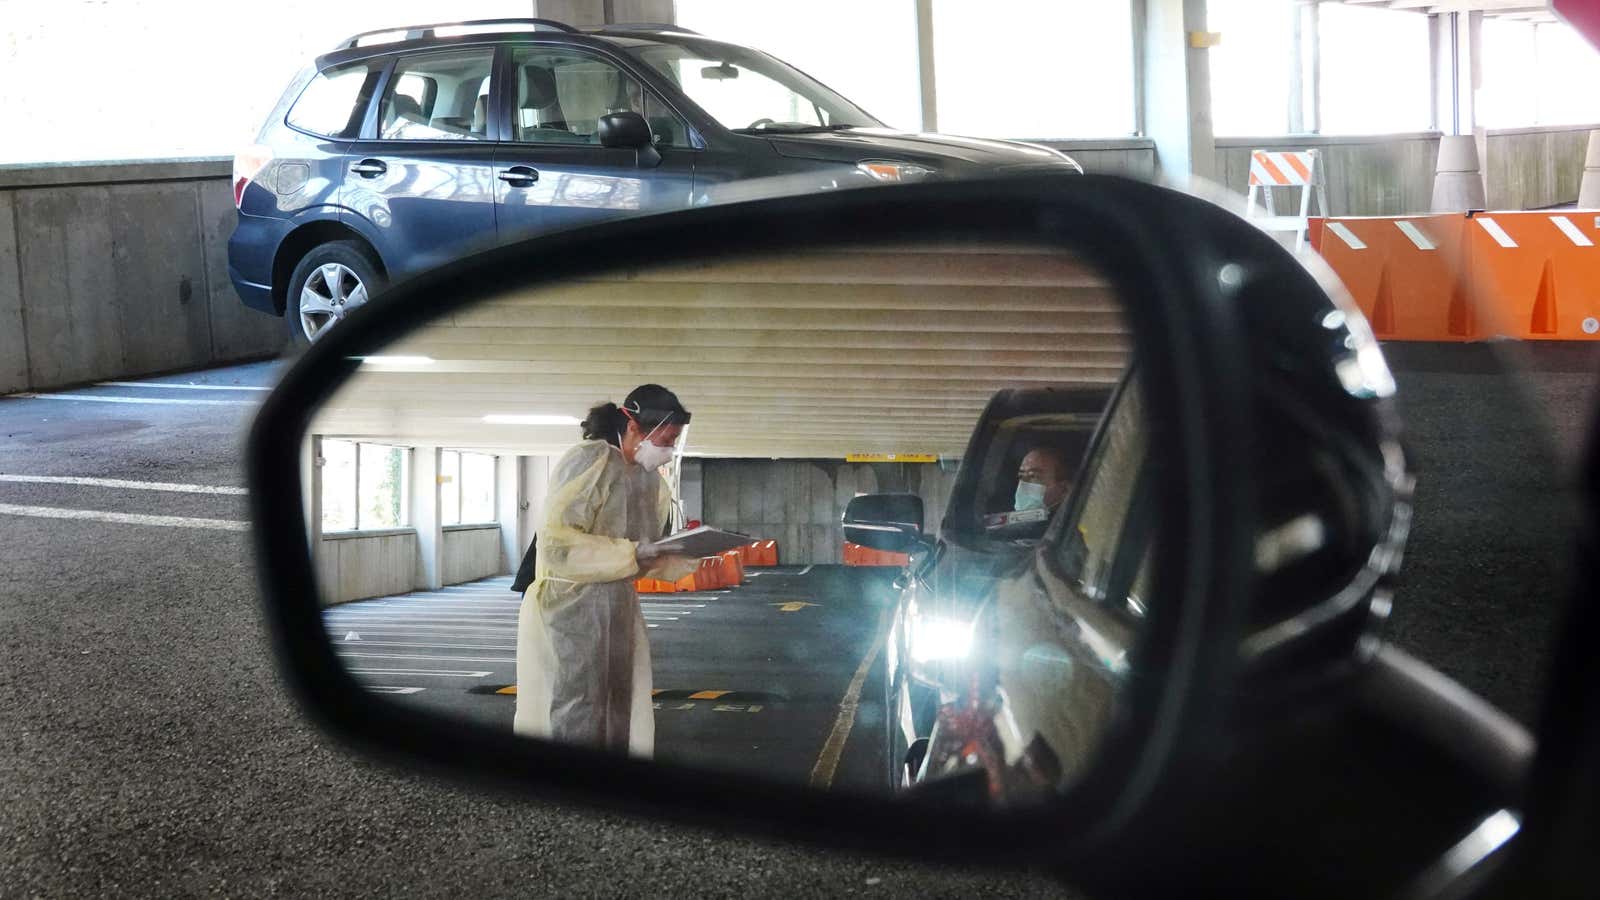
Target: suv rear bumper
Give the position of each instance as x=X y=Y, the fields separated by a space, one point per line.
x=251 y=251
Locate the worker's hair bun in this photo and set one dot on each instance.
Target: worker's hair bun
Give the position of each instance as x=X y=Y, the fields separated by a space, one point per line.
x=605 y=423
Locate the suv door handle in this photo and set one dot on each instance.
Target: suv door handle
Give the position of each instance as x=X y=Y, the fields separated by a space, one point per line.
x=369 y=168
x=519 y=176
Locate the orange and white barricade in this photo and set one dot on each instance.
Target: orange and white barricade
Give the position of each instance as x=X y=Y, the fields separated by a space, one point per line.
x=1271 y=169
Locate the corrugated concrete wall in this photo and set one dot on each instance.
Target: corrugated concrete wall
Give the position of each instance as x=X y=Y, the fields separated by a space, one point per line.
x=112 y=270
x=798 y=503
x=471 y=552
x=357 y=566
x=1134 y=157
x=1382 y=175
x=1532 y=168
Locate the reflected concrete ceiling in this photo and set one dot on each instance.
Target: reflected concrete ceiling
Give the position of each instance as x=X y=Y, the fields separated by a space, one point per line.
x=814 y=355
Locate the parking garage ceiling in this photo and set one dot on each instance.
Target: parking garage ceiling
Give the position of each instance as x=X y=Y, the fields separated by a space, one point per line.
x=815 y=355
x=1514 y=9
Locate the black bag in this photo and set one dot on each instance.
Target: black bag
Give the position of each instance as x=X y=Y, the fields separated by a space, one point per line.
x=525 y=571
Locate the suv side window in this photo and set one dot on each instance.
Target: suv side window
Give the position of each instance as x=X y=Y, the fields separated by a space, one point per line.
x=335 y=101
x=561 y=95
x=438 y=97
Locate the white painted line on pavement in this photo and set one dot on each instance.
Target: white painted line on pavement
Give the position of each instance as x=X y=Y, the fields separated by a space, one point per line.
x=387 y=689
x=182 y=387
x=122 y=483
x=149 y=401
x=833 y=748
x=476 y=659
x=51 y=512
x=452 y=673
x=423 y=646
x=805 y=571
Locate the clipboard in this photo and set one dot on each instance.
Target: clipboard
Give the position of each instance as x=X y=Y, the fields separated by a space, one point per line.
x=703 y=541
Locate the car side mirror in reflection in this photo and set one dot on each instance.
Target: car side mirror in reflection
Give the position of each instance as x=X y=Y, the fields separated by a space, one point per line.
x=1174 y=381
x=890 y=522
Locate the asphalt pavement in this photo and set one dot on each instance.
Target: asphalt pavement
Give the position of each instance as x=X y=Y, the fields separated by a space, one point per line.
x=748 y=679
x=147 y=747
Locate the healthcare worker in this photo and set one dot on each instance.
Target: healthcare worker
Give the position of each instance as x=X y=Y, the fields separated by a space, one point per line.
x=583 y=663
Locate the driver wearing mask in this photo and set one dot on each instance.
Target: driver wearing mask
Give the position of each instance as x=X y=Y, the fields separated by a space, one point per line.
x=1042 y=480
x=583 y=662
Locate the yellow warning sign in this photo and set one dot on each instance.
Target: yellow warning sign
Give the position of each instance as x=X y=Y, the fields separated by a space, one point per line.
x=892 y=457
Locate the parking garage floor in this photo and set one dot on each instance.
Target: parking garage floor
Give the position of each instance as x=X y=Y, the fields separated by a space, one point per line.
x=150 y=749
x=749 y=679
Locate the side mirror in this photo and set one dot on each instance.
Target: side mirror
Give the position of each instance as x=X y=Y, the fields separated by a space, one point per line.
x=891 y=522
x=1237 y=545
x=629 y=130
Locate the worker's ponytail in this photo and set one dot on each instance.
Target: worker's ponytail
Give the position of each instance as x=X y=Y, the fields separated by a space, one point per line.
x=605 y=423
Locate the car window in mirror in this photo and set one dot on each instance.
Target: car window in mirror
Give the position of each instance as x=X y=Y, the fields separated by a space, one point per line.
x=570 y=430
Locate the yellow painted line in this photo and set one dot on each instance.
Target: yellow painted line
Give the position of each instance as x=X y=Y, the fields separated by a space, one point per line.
x=833 y=748
x=793 y=605
x=707 y=695
x=508 y=689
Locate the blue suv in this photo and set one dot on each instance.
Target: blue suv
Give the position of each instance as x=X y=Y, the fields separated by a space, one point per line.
x=406 y=148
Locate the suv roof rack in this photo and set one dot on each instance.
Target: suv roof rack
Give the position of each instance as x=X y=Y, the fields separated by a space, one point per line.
x=645 y=26
x=423 y=32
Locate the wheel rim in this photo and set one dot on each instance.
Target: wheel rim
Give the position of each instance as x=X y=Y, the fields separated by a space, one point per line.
x=332 y=292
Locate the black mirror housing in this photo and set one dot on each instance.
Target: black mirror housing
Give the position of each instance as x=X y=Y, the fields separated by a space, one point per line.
x=890 y=522
x=624 y=129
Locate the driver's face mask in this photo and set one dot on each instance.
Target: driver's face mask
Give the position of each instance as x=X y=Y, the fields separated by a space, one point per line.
x=652 y=455
x=1030 y=495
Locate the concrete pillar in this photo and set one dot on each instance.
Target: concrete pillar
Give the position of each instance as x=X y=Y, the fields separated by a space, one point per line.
x=535 y=479
x=926 y=74
x=1458 y=185
x=311 y=491
x=594 y=13
x=1589 y=188
x=1175 y=86
x=508 y=506
x=692 y=490
x=425 y=518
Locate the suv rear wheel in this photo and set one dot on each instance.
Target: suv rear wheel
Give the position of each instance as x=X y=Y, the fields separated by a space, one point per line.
x=329 y=283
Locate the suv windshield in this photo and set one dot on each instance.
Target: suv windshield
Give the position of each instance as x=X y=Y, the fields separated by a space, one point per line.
x=751 y=92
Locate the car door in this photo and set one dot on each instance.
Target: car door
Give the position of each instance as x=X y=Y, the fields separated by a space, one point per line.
x=419 y=184
x=551 y=171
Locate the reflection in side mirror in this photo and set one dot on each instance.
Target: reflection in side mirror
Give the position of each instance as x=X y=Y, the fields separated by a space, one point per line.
x=891 y=522
x=737 y=656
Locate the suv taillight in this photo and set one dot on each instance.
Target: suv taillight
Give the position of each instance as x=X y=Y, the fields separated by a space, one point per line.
x=246 y=166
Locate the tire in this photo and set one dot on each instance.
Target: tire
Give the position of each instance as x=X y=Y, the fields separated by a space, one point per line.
x=329 y=282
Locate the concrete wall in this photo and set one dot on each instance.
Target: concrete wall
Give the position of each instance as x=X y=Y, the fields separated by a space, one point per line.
x=1532 y=168
x=358 y=565
x=798 y=503
x=471 y=552
x=1381 y=175
x=112 y=270
x=1134 y=157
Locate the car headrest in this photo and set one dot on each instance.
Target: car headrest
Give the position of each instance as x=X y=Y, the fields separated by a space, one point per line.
x=404 y=105
x=538 y=88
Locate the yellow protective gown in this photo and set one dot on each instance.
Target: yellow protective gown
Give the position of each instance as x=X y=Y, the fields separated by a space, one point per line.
x=583 y=662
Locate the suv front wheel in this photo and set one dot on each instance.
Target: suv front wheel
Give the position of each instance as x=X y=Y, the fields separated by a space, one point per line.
x=329 y=283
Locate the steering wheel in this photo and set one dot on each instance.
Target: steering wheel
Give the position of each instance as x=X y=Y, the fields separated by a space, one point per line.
x=760 y=122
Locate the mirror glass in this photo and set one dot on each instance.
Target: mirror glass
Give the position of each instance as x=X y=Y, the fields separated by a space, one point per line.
x=991 y=386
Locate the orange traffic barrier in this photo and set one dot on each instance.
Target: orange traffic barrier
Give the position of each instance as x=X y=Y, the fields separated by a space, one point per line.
x=732 y=569
x=1460 y=277
x=857 y=555
x=760 y=553
x=654 y=586
x=1534 y=274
